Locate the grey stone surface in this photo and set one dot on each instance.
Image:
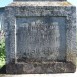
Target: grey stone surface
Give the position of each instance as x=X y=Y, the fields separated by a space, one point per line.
x=34 y=27
x=41 y=38
x=39 y=0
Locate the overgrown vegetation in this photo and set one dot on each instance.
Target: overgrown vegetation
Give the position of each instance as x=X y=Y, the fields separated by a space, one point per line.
x=2 y=50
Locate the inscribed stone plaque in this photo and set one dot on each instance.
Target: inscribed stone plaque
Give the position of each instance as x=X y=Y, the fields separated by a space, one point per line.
x=40 y=39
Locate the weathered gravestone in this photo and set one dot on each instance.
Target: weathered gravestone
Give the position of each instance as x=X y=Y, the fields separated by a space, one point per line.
x=40 y=36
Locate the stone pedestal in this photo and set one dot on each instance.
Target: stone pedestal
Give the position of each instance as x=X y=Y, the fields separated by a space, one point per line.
x=39 y=0
x=40 y=37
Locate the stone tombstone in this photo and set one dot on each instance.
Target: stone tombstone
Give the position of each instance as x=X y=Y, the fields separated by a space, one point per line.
x=40 y=37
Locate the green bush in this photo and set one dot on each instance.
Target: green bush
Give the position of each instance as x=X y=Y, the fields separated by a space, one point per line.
x=2 y=52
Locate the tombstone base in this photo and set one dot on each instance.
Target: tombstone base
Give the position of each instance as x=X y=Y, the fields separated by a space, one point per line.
x=41 y=68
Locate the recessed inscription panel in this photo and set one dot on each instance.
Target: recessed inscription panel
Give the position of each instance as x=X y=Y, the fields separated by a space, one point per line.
x=40 y=39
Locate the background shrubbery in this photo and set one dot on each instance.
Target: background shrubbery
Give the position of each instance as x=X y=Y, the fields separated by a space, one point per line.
x=2 y=49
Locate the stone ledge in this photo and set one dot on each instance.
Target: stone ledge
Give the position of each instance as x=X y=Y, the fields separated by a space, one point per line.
x=39 y=0
x=41 y=3
x=41 y=68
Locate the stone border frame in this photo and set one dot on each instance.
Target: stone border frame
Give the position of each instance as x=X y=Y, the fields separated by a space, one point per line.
x=11 y=12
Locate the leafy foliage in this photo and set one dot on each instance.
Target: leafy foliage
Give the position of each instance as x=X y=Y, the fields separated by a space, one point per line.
x=2 y=50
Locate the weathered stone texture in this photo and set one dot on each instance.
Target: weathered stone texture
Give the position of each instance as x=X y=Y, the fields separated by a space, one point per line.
x=41 y=38
x=39 y=0
x=41 y=68
x=22 y=38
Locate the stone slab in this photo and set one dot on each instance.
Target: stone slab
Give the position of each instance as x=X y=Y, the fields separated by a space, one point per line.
x=41 y=68
x=41 y=38
x=45 y=3
x=20 y=10
x=39 y=0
